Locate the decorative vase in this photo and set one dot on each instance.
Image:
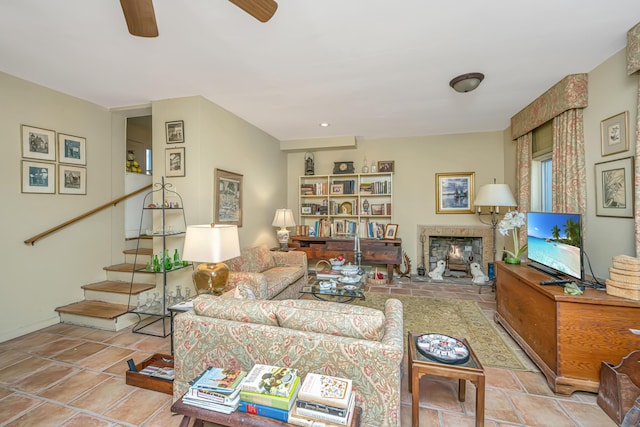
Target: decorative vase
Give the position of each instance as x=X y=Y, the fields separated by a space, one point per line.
x=510 y=260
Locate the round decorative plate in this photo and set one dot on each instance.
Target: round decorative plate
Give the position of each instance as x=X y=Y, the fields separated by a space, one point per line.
x=351 y=280
x=346 y=208
x=349 y=287
x=442 y=348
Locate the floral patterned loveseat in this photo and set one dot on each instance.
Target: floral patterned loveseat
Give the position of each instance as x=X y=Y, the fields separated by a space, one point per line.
x=266 y=274
x=341 y=340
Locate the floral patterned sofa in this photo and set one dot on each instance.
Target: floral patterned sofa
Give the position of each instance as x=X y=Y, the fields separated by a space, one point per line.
x=341 y=340
x=264 y=274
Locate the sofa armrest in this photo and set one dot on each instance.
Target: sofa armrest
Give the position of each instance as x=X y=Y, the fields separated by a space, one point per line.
x=394 y=325
x=290 y=259
x=257 y=282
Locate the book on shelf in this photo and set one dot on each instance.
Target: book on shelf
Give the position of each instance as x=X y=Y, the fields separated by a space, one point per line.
x=325 y=389
x=279 y=402
x=264 y=411
x=323 y=416
x=219 y=379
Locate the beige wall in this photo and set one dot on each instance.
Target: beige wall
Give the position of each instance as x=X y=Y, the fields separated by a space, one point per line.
x=417 y=160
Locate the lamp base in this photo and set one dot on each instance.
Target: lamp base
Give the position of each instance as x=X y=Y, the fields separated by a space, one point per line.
x=211 y=278
x=283 y=238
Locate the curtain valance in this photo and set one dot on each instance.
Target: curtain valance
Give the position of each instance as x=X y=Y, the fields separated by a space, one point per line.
x=569 y=93
x=633 y=50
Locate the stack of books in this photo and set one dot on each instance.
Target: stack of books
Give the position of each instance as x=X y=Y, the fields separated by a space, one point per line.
x=216 y=389
x=269 y=391
x=324 y=400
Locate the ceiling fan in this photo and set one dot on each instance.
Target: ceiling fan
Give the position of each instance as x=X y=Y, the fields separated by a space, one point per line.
x=141 y=20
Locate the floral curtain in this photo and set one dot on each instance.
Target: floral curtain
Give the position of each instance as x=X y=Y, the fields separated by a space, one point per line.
x=569 y=182
x=523 y=177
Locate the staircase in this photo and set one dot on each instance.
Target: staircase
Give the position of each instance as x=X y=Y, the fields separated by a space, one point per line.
x=106 y=302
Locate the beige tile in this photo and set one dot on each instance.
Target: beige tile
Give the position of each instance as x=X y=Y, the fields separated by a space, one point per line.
x=4 y=392
x=164 y=418
x=79 y=352
x=587 y=415
x=426 y=417
x=45 y=415
x=20 y=370
x=439 y=394
x=105 y=358
x=74 y=386
x=103 y=396
x=85 y=420
x=498 y=407
x=30 y=340
x=9 y=357
x=125 y=340
x=501 y=378
x=534 y=383
x=138 y=406
x=458 y=420
x=540 y=411
x=54 y=347
x=15 y=404
x=121 y=367
x=44 y=378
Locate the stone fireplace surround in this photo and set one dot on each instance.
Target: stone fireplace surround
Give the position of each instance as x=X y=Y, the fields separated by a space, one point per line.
x=485 y=233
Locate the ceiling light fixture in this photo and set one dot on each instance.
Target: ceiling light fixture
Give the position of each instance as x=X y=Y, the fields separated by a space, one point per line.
x=466 y=82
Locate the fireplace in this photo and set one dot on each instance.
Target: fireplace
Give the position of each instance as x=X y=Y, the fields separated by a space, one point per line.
x=456 y=245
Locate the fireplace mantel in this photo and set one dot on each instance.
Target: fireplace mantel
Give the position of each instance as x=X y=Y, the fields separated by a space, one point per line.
x=458 y=231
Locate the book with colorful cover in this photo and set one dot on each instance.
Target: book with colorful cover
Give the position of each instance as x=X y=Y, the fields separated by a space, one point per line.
x=219 y=379
x=264 y=411
x=278 y=402
x=325 y=389
x=323 y=416
x=213 y=396
x=271 y=380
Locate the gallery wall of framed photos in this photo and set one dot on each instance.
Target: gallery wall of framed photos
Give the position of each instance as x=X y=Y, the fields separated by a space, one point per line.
x=52 y=162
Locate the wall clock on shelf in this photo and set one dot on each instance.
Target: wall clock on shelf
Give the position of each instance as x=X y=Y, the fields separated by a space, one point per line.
x=343 y=167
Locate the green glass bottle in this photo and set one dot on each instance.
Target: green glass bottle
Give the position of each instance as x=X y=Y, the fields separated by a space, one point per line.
x=156 y=264
x=168 y=262
x=176 y=259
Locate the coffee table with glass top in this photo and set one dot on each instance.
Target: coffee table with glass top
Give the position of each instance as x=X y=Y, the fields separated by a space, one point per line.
x=342 y=292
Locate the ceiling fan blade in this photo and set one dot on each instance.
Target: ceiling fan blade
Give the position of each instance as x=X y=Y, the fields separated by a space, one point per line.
x=262 y=10
x=141 y=20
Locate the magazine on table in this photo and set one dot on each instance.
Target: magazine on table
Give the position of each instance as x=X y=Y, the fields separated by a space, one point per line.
x=325 y=389
x=220 y=380
x=273 y=380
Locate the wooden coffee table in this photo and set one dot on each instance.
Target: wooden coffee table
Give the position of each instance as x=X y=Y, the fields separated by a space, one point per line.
x=235 y=419
x=471 y=370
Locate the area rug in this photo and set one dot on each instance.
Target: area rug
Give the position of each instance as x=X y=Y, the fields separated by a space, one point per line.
x=457 y=318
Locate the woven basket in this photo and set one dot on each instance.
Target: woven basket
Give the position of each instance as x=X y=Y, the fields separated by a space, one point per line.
x=376 y=282
x=623 y=276
x=319 y=265
x=623 y=290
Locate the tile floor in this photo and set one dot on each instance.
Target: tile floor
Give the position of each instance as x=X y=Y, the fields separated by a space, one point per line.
x=74 y=376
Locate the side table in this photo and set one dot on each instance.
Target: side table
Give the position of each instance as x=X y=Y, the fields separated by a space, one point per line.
x=420 y=365
x=235 y=419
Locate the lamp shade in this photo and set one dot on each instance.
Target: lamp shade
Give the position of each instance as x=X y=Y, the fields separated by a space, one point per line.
x=283 y=218
x=495 y=195
x=211 y=243
x=466 y=82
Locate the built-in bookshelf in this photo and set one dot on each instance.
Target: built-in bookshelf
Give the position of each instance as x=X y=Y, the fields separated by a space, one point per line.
x=341 y=205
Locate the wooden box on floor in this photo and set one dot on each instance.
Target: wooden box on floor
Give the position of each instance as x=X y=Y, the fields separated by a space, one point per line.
x=152 y=383
x=619 y=386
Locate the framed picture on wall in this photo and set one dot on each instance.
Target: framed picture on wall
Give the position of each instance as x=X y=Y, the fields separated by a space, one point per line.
x=38 y=177
x=227 y=198
x=614 y=134
x=614 y=188
x=175 y=131
x=39 y=144
x=175 y=162
x=454 y=192
x=71 y=149
x=72 y=179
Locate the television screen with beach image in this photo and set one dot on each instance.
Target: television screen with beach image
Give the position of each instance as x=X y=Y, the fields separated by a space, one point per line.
x=554 y=241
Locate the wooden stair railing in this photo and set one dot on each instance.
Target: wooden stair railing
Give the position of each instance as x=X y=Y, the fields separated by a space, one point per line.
x=34 y=239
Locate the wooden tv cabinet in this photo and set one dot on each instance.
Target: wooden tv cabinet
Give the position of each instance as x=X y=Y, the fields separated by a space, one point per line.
x=567 y=336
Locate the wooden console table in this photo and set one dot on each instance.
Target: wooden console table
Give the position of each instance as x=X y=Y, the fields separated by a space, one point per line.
x=374 y=251
x=567 y=336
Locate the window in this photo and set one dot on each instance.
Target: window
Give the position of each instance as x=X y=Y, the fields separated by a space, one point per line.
x=541 y=168
x=147 y=155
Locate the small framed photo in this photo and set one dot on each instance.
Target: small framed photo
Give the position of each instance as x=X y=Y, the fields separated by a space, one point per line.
x=614 y=188
x=38 y=177
x=386 y=166
x=71 y=149
x=175 y=162
x=39 y=144
x=454 y=192
x=175 y=131
x=72 y=179
x=227 y=198
x=336 y=189
x=614 y=133
x=305 y=210
x=390 y=231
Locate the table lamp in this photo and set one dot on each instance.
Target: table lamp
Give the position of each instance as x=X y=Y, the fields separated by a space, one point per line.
x=210 y=245
x=283 y=219
x=494 y=196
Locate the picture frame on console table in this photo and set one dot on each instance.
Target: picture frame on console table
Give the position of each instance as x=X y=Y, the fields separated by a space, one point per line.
x=390 y=231
x=614 y=188
x=455 y=192
x=227 y=198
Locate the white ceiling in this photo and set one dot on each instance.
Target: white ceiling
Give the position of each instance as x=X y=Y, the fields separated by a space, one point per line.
x=371 y=68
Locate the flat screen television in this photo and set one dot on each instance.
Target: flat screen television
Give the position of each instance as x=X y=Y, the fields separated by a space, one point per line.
x=555 y=243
